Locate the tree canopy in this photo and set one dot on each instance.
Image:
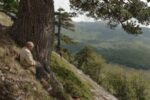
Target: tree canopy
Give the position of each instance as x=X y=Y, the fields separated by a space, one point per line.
x=117 y=12
x=66 y=19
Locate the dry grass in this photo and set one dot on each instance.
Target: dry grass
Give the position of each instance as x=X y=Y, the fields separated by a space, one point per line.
x=15 y=81
x=5 y=20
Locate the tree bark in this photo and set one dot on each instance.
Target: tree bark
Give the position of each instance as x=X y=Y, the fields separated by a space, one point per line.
x=36 y=23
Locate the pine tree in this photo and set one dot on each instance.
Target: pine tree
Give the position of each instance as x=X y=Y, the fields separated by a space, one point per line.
x=84 y=56
x=117 y=12
x=63 y=20
x=90 y=62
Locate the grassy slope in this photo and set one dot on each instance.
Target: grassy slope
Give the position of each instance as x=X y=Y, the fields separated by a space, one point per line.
x=72 y=83
x=15 y=81
x=77 y=83
x=22 y=83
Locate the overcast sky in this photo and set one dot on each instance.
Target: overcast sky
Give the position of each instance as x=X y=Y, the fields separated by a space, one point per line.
x=66 y=5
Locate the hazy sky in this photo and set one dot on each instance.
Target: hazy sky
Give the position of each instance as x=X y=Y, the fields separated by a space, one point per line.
x=65 y=4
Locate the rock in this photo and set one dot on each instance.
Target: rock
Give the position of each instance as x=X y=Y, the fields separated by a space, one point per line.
x=3 y=78
x=34 y=88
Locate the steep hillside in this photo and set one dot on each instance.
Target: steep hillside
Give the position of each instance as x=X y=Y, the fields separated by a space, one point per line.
x=63 y=65
x=17 y=83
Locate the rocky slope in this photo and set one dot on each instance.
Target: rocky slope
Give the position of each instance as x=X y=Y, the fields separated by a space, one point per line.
x=17 y=83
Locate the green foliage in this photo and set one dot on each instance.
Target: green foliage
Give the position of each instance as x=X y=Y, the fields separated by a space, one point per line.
x=116 y=11
x=67 y=40
x=131 y=55
x=88 y=61
x=67 y=55
x=65 y=18
x=125 y=87
x=123 y=83
x=84 y=56
x=72 y=84
x=10 y=7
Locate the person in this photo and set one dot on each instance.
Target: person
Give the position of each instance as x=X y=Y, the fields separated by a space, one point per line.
x=26 y=57
x=27 y=61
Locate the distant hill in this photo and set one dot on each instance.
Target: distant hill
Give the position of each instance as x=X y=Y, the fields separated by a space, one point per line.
x=115 y=45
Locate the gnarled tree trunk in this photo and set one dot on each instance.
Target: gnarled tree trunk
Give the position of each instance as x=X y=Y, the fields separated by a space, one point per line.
x=36 y=23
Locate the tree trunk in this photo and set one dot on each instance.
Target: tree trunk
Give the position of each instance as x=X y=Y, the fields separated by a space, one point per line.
x=59 y=34
x=36 y=23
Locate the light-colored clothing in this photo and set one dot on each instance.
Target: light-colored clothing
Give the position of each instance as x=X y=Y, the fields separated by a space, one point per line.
x=26 y=57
